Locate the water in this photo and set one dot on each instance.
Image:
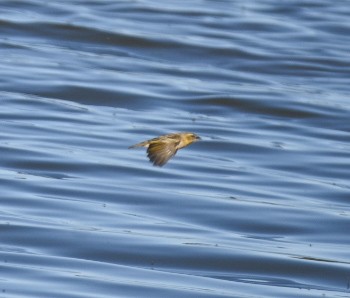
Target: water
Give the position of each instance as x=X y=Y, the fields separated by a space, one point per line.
x=259 y=208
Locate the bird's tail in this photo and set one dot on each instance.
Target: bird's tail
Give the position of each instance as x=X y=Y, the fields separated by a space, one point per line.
x=142 y=144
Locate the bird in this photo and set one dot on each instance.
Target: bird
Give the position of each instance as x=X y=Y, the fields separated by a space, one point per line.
x=162 y=148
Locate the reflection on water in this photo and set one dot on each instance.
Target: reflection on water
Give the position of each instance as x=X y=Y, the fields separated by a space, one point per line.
x=258 y=208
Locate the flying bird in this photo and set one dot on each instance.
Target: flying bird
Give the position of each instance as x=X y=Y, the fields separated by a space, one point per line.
x=161 y=149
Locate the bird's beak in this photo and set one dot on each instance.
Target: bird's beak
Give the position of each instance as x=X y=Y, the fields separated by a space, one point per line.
x=198 y=138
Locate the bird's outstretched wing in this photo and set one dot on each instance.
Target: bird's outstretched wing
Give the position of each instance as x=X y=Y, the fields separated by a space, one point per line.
x=160 y=152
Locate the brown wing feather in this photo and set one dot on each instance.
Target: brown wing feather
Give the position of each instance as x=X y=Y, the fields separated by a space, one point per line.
x=160 y=152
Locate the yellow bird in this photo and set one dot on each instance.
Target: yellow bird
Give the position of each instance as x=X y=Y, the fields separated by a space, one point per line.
x=161 y=149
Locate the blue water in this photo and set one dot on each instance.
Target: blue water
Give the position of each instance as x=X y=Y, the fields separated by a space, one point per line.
x=259 y=208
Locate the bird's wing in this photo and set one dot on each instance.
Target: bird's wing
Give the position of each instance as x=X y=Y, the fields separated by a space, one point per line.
x=160 y=152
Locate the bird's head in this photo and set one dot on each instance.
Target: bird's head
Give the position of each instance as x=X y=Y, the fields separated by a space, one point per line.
x=191 y=137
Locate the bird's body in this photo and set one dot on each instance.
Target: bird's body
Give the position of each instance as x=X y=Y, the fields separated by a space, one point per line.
x=161 y=149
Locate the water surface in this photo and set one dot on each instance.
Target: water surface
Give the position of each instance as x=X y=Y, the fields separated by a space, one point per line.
x=259 y=208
